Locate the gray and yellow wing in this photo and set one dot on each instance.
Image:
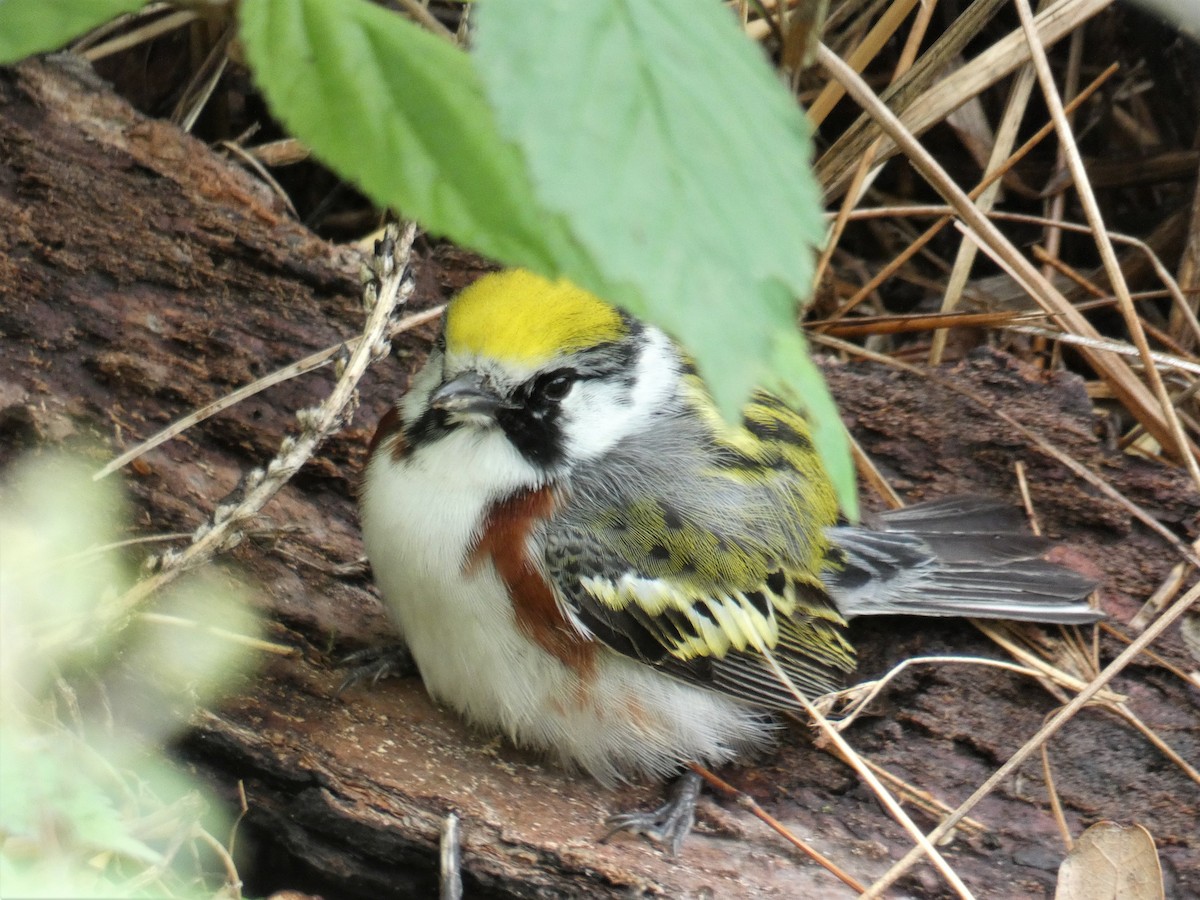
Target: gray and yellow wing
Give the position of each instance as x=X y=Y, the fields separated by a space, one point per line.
x=699 y=563
x=710 y=631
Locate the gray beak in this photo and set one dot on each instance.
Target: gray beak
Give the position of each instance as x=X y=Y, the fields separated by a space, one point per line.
x=469 y=394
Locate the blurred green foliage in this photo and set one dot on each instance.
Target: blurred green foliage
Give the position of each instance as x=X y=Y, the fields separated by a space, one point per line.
x=91 y=805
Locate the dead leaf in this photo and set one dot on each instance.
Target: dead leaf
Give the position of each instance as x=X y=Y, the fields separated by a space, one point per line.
x=1111 y=862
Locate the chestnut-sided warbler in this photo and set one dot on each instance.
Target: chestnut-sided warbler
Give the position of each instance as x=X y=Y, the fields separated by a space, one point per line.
x=579 y=551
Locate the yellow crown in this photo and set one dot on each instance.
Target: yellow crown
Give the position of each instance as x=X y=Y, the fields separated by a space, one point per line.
x=521 y=317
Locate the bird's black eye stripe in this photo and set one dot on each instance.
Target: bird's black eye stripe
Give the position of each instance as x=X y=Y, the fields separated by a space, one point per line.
x=439 y=343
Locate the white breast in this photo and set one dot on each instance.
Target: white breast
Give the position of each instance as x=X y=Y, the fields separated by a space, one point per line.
x=421 y=517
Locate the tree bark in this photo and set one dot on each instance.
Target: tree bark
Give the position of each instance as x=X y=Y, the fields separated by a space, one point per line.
x=144 y=276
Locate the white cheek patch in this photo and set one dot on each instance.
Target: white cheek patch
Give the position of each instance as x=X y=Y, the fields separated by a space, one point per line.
x=597 y=415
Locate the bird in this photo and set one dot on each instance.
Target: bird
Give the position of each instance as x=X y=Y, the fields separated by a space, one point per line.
x=579 y=551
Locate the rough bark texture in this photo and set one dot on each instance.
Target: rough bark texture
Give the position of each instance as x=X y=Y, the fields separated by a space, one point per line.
x=144 y=276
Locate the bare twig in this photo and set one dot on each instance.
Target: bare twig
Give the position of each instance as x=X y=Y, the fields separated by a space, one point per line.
x=310 y=363
x=390 y=285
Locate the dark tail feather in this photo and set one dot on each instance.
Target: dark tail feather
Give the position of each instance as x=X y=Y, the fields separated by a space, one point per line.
x=957 y=557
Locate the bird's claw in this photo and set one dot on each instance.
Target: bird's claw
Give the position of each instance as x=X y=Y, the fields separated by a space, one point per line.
x=670 y=823
x=374 y=663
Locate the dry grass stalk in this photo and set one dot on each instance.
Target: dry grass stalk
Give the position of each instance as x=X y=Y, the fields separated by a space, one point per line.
x=870 y=47
x=1115 y=370
x=1006 y=137
x=1047 y=731
x=1104 y=244
x=921 y=112
x=92 y=52
x=991 y=178
x=1189 y=554
x=748 y=803
x=854 y=194
x=924 y=846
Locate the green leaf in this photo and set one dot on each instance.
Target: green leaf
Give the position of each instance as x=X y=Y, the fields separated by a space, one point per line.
x=663 y=137
x=661 y=164
x=402 y=114
x=796 y=379
x=35 y=26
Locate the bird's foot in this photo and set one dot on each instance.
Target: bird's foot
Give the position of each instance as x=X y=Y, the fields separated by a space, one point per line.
x=670 y=823
x=374 y=663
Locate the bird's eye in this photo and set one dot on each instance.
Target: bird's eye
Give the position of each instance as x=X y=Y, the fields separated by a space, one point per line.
x=555 y=385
